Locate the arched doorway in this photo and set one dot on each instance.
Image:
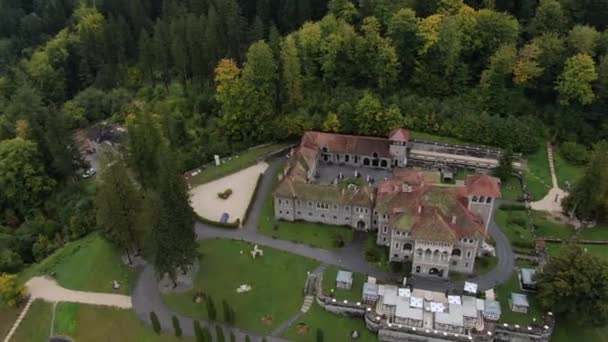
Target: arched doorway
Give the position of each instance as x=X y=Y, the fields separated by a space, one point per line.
x=366 y=161
x=361 y=225
x=434 y=271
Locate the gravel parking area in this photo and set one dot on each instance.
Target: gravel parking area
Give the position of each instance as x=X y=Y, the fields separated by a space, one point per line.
x=207 y=204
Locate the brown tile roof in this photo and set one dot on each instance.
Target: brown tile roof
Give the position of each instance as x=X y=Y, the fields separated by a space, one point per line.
x=399 y=134
x=483 y=185
x=356 y=144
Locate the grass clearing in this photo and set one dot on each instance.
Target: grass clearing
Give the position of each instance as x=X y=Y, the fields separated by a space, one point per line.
x=511 y=189
x=514 y=225
x=597 y=232
x=538 y=177
x=100 y=323
x=503 y=293
x=36 y=326
x=236 y=163
x=567 y=173
x=8 y=316
x=353 y=295
x=88 y=264
x=334 y=327
x=597 y=250
x=277 y=280
x=312 y=234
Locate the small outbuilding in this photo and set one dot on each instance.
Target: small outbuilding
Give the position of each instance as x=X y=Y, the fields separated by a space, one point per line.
x=527 y=279
x=491 y=310
x=519 y=303
x=344 y=280
x=370 y=293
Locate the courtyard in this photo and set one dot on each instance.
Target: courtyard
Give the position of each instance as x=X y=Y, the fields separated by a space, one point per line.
x=207 y=204
x=327 y=173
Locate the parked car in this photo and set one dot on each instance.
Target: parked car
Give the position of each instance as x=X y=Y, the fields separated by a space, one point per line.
x=89 y=173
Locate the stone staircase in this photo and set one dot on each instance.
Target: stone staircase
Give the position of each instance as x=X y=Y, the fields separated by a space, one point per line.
x=307 y=303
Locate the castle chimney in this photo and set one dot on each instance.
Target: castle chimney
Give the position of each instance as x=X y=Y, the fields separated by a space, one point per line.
x=453 y=219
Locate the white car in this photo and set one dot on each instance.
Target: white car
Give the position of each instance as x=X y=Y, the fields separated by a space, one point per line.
x=89 y=173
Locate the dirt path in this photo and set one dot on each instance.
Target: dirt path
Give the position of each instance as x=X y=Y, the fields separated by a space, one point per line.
x=206 y=203
x=48 y=290
x=552 y=201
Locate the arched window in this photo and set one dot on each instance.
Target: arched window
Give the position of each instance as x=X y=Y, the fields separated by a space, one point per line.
x=407 y=247
x=474 y=199
x=325 y=150
x=456 y=252
x=482 y=199
x=419 y=252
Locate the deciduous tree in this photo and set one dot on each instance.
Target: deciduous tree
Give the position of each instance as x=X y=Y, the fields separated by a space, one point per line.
x=574 y=84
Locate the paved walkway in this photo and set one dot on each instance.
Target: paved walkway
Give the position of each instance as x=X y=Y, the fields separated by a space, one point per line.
x=146 y=297
x=552 y=201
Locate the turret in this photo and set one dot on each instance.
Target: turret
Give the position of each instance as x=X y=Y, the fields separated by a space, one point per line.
x=399 y=139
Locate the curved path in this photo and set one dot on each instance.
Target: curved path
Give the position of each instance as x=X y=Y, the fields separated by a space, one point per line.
x=48 y=290
x=147 y=298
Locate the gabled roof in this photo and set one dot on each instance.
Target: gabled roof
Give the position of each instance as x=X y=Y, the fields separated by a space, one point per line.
x=343 y=143
x=399 y=134
x=483 y=185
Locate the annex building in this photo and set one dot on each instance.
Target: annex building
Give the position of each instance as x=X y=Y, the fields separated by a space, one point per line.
x=367 y=183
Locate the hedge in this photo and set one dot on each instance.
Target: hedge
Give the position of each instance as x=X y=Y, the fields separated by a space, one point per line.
x=228 y=225
x=513 y=207
x=252 y=200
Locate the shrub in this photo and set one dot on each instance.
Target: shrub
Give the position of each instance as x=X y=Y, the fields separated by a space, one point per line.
x=176 y=327
x=232 y=337
x=207 y=334
x=224 y=195
x=198 y=332
x=247 y=338
x=512 y=207
x=211 y=312
x=219 y=334
x=11 y=292
x=319 y=335
x=574 y=153
x=155 y=323
x=227 y=312
x=338 y=241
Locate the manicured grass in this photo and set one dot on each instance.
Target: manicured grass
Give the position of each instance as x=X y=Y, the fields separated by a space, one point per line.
x=597 y=250
x=313 y=234
x=566 y=172
x=538 y=177
x=597 y=232
x=511 y=189
x=36 y=326
x=482 y=265
x=353 y=295
x=236 y=163
x=567 y=331
x=100 y=324
x=277 y=280
x=503 y=293
x=88 y=264
x=513 y=224
x=8 y=316
x=440 y=139
x=334 y=327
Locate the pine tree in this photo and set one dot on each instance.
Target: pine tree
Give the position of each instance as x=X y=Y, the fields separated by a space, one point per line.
x=257 y=30
x=211 y=312
x=505 y=166
x=176 y=326
x=144 y=143
x=219 y=334
x=118 y=204
x=198 y=332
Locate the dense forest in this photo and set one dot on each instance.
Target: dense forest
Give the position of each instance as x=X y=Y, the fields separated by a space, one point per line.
x=216 y=76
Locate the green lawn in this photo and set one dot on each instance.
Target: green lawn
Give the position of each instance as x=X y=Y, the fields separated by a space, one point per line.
x=566 y=172
x=313 y=234
x=277 y=280
x=513 y=224
x=567 y=331
x=598 y=250
x=598 y=232
x=238 y=162
x=36 y=326
x=353 y=295
x=482 y=265
x=503 y=293
x=334 y=327
x=511 y=189
x=7 y=318
x=99 y=324
x=538 y=177
x=88 y=264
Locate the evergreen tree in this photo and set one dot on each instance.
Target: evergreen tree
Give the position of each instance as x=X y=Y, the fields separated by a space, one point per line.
x=505 y=166
x=118 y=204
x=198 y=332
x=211 y=312
x=176 y=326
x=144 y=145
x=219 y=334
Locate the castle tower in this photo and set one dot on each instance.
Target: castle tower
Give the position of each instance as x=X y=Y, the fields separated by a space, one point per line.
x=482 y=192
x=399 y=139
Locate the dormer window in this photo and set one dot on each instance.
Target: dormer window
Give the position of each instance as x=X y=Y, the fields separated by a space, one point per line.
x=375 y=155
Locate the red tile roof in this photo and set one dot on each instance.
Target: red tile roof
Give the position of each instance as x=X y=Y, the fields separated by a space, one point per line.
x=399 y=134
x=483 y=185
x=356 y=144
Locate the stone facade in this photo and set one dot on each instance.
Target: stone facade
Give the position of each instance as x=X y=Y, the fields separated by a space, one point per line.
x=438 y=227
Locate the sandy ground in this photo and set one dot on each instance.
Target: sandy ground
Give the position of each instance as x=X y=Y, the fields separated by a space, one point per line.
x=206 y=203
x=48 y=290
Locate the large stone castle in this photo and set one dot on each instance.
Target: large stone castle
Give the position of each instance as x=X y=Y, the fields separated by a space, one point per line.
x=363 y=182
